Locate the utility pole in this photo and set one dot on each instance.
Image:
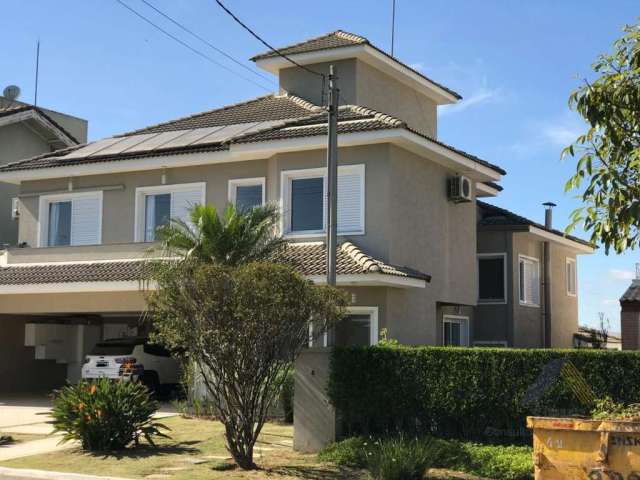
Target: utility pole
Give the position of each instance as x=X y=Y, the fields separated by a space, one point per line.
x=35 y=98
x=332 y=178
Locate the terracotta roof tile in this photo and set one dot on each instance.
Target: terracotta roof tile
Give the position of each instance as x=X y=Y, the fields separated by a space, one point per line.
x=341 y=39
x=266 y=108
x=492 y=215
x=307 y=258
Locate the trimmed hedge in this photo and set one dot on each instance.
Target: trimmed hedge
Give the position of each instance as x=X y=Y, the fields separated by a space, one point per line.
x=465 y=392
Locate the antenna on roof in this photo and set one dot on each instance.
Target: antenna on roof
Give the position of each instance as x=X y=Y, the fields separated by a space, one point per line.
x=35 y=98
x=393 y=25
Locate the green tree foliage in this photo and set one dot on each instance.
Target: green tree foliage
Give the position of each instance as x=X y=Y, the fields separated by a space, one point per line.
x=243 y=327
x=608 y=154
x=232 y=239
x=105 y=415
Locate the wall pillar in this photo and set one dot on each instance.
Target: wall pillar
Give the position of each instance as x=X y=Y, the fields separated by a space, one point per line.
x=314 y=418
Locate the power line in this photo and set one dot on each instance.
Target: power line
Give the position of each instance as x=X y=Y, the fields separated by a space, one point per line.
x=186 y=45
x=273 y=49
x=205 y=41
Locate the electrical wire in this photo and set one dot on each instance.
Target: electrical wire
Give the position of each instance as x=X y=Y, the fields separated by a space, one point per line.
x=186 y=45
x=205 y=41
x=273 y=49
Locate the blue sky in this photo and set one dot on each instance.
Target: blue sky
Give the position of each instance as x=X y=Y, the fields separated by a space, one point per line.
x=514 y=63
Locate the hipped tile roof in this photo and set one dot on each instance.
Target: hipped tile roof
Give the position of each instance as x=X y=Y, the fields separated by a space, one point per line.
x=496 y=216
x=341 y=39
x=632 y=295
x=306 y=258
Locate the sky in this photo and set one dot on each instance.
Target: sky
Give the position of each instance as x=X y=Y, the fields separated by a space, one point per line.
x=514 y=62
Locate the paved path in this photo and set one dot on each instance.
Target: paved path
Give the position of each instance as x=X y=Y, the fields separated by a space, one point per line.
x=23 y=474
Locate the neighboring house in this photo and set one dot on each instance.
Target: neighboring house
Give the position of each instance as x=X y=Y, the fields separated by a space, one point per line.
x=516 y=306
x=406 y=215
x=26 y=131
x=588 y=337
x=630 y=314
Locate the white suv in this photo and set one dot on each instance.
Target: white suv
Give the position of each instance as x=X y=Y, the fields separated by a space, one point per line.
x=132 y=359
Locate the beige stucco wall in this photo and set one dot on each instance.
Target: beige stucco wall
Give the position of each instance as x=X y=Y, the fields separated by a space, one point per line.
x=364 y=85
x=98 y=302
x=377 y=90
x=16 y=143
x=564 y=313
x=408 y=222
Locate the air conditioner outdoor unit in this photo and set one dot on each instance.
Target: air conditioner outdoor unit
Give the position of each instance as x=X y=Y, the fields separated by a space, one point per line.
x=459 y=189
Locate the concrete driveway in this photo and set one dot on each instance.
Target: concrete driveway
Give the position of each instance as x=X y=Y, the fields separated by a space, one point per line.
x=25 y=414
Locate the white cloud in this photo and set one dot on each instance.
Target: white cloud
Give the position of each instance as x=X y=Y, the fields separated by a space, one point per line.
x=479 y=97
x=417 y=65
x=609 y=301
x=616 y=274
x=561 y=135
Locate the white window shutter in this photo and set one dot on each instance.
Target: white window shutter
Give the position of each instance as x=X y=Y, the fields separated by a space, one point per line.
x=85 y=221
x=183 y=201
x=350 y=202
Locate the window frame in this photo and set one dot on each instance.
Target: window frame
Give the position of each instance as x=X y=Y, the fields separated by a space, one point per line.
x=234 y=183
x=532 y=260
x=571 y=261
x=43 y=214
x=374 y=332
x=461 y=320
x=142 y=192
x=286 y=176
x=505 y=291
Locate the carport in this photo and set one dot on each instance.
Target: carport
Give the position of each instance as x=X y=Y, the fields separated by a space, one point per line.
x=48 y=325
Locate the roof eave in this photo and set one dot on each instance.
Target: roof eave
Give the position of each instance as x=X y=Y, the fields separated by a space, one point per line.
x=565 y=241
x=368 y=54
x=248 y=151
x=24 y=116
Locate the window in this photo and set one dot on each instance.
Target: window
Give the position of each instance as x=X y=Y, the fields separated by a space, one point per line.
x=572 y=281
x=155 y=206
x=304 y=199
x=246 y=193
x=455 y=331
x=492 y=278
x=358 y=327
x=529 y=281
x=70 y=219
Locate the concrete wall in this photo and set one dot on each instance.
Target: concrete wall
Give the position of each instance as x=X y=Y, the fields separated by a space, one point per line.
x=313 y=416
x=364 y=85
x=19 y=370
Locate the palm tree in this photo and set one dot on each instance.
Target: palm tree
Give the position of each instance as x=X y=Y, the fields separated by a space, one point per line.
x=236 y=237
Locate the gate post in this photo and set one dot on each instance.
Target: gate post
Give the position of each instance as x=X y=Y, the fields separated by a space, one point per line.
x=314 y=418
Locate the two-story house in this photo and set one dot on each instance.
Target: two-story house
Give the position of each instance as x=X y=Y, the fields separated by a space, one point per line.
x=25 y=131
x=408 y=241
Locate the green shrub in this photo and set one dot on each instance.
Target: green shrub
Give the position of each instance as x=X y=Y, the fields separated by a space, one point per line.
x=286 y=396
x=347 y=453
x=398 y=458
x=468 y=393
x=105 y=415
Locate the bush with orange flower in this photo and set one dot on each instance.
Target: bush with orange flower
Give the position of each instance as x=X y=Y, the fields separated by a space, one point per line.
x=106 y=415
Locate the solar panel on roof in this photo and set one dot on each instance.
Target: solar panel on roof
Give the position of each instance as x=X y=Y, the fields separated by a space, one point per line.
x=157 y=142
x=127 y=142
x=93 y=148
x=191 y=137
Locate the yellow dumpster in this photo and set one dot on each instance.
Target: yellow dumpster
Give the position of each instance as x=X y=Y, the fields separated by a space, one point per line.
x=572 y=448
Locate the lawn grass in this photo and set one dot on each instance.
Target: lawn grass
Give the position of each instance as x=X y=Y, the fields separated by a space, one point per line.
x=195 y=451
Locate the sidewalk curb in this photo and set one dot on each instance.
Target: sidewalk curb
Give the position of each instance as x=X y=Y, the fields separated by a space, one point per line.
x=23 y=473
